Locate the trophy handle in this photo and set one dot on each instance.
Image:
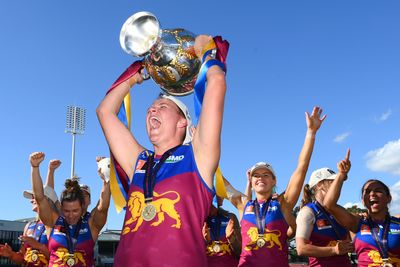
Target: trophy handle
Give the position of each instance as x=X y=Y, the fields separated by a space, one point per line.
x=140 y=33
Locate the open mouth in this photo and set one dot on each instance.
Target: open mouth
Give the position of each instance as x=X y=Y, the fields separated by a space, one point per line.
x=154 y=122
x=373 y=203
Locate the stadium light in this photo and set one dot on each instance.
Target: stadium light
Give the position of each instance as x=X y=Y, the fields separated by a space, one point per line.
x=76 y=119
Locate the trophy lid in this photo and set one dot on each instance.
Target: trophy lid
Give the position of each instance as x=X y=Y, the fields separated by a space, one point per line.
x=139 y=33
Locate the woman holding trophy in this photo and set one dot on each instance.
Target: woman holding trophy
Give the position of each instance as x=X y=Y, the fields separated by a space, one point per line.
x=171 y=186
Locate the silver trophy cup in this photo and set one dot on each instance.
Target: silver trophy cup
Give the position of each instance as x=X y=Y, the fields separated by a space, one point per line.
x=169 y=56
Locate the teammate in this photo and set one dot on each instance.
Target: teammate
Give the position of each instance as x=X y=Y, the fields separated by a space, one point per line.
x=318 y=235
x=377 y=240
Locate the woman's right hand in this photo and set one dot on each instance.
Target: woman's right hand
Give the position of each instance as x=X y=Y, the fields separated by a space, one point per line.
x=248 y=177
x=36 y=158
x=343 y=247
x=5 y=250
x=206 y=233
x=137 y=78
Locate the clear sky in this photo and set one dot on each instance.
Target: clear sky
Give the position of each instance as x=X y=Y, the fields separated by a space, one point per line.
x=285 y=57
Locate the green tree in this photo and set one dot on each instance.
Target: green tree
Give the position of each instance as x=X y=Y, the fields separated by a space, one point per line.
x=356 y=210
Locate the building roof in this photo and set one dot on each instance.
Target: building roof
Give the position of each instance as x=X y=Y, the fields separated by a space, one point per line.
x=109 y=235
x=15 y=226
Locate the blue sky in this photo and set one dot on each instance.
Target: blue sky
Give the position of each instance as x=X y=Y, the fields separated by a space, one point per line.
x=285 y=57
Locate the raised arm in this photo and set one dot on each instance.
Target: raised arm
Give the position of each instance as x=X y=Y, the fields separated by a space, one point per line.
x=248 y=191
x=98 y=217
x=46 y=214
x=345 y=218
x=292 y=192
x=122 y=143
x=53 y=165
x=237 y=198
x=207 y=137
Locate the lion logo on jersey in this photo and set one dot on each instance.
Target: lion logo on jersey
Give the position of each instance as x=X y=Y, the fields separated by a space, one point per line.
x=269 y=236
x=224 y=249
x=163 y=206
x=63 y=256
x=377 y=260
x=32 y=256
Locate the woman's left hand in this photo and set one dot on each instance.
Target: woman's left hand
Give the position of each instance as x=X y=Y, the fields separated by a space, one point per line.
x=229 y=229
x=345 y=164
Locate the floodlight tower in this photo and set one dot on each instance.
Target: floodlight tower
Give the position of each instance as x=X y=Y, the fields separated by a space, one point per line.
x=76 y=118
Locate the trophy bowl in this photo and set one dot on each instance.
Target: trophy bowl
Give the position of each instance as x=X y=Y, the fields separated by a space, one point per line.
x=169 y=56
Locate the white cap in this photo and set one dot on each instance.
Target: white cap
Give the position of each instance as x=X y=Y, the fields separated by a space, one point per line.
x=262 y=165
x=185 y=111
x=48 y=192
x=320 y=175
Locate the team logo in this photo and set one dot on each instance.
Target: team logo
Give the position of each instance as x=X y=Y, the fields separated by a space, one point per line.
x=249 y=209
x=218 y=247
x=139 y=166
x=163 y=206
x=64 y=258
x=323 y=224
x=34 y=256
x=395 y=231
x=377 y=260
x=271 y=239
x=59 y=230
x=273 y=208
x=83 y=230
x=365 y=230
x=174 y=159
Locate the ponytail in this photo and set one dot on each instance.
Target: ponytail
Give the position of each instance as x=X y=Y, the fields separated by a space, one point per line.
x=308 y=195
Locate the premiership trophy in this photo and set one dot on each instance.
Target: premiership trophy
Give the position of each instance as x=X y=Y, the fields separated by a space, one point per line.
x=169 y=56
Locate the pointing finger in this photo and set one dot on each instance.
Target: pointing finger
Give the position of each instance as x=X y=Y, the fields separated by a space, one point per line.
x=347 y=158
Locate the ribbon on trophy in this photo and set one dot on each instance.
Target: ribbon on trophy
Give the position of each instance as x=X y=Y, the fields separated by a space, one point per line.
x=119 y=181
x=220 y=188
